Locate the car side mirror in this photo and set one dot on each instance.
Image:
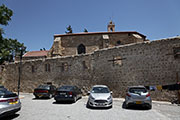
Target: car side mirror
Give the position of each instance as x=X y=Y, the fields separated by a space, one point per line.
x=111 y=92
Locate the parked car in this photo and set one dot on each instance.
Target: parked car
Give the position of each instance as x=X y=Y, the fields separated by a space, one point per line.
x=9 y=103
x=68 y=93
x=100 y=96
x=138 y=95
x=45 y=91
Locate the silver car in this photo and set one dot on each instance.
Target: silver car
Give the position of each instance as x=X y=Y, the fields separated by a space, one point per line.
x=138 y=95
x=9 y=103
x=100 y=96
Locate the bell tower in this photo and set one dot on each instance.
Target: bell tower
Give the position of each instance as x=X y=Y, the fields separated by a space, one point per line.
x=111 y=26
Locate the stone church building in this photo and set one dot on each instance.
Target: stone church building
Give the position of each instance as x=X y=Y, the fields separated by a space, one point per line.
x=88 y=42
x=116 y=59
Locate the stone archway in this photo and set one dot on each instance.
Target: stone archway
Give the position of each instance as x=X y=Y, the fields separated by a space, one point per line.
x=81 y=49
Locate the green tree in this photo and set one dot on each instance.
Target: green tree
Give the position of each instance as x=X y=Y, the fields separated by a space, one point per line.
x=8 y=47
x=69 y=29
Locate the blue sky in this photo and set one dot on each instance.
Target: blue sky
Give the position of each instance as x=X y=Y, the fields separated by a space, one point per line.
x=36 y=21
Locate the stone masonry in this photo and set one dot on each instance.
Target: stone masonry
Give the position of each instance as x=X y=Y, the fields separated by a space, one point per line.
x=147 y=63
x=68 y=44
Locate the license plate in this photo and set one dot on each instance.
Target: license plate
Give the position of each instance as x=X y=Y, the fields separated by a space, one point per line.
x=15 y=102
x=40 y=95
x=138 y=102
x=100 y=104
x=62 y=93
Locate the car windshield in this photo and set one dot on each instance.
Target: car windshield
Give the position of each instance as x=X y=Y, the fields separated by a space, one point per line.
x=100 y=90
x=44 y=87
x=137 y=90
x=66 y=88
x=4 y=92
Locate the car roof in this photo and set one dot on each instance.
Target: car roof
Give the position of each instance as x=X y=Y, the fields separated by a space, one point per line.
x=99 y=86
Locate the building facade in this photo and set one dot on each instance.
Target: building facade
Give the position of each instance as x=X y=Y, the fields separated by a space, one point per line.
x=88 y=42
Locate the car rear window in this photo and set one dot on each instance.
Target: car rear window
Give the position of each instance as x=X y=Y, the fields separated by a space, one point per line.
x=100 y=90
x=137 y=90
x=44 y=87
x=66 y=88
x=6 y=94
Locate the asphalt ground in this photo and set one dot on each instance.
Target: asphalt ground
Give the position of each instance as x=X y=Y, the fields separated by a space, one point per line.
x=48 y=109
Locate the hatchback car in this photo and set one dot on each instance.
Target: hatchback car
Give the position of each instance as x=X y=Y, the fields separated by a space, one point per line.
x=9 y=103
x=44 y=91
x=100 y=96
x=138 y=95
x=68 y=93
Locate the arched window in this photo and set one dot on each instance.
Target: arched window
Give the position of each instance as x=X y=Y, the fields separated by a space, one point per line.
x=118 y=42
x=81 y=49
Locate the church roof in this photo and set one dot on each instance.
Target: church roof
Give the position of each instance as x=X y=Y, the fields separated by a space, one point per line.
x=94 y=33
x=36 y=53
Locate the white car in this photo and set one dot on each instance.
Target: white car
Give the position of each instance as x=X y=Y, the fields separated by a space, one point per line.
x=9 y=103
x=138 y=95
x=100 y=96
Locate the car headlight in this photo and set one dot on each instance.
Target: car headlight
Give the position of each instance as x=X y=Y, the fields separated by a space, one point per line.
x=92 y=98
x=109 y=97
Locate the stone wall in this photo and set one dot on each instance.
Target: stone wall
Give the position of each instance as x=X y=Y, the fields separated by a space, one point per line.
x=149 y=63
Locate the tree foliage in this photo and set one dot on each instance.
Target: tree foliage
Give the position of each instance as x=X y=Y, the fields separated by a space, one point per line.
x=85 y=30
x=69 y=29
x=8 y=47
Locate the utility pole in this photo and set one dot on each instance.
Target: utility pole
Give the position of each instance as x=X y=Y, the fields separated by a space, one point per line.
x=19 y=68
x=178 y=82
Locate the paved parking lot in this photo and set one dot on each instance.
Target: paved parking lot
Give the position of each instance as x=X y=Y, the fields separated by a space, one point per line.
x=47 y=109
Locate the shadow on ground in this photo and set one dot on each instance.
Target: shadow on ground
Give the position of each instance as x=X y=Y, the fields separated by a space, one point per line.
x=40 y=98
x=63 y=102
x=10 y=117
x=134 y=107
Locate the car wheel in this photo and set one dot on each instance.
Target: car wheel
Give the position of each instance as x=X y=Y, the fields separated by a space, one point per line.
x=74 y=99
x=87 y=105
x=124 y=105
x=150 y=107
x=37 y=97
x=50 y=96
x=80 y=97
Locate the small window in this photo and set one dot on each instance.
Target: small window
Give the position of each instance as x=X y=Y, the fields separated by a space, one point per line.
x=129 y=34
x=176 y=52
x=47 y=68
x=64 y=67
x=118 y=42
x=32 y=69
x=84 y=65
x=81 y=49
x=118 y=60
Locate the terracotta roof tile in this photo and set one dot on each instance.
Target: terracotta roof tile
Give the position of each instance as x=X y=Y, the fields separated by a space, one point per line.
x=93 y=33
x=36 y=53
